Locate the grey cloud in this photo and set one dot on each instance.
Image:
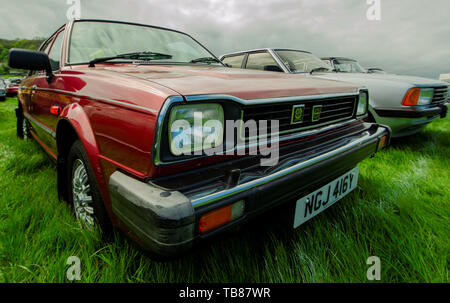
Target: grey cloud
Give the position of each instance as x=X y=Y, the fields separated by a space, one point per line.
x=411 y=38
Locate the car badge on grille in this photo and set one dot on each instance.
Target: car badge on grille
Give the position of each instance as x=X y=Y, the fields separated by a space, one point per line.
x=298 y=112
x=316 y=112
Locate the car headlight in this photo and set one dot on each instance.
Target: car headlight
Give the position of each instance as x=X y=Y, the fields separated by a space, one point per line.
x=418 y=96
x=362 y=103
x=195 y=128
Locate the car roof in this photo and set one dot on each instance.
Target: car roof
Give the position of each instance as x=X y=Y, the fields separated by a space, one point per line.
x=262 y=49
x=111 y=21
x=126 y=22
x=338 y=58
x=71 y=22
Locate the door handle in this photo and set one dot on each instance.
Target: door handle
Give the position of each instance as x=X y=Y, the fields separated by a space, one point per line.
x=29 y=103
x=33 y=91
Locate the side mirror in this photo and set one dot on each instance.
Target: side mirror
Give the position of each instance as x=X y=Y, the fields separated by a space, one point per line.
x=273 y=68
x=30 y=60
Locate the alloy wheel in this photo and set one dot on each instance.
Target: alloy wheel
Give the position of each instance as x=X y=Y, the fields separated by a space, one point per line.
x=24 y=129
x=81 y=195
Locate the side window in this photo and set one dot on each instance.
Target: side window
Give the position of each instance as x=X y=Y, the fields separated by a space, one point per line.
x=234 y=61
x=47 y=46
x=262 y=61
x=55 y=52
x=327 y=62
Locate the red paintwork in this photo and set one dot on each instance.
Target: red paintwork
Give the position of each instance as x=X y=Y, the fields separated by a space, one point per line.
x=121 y=137
x=12 y=90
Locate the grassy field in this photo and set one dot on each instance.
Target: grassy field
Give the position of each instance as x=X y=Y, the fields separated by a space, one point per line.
x=9 y=76
x=400 y=213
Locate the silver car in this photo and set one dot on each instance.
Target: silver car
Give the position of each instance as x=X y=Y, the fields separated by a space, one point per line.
x=406 y=104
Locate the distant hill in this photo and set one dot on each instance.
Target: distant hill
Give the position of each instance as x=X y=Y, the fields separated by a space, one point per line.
x=5 y=45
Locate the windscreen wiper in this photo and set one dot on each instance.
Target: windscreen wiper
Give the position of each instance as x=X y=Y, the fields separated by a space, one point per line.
x=134 y=56
x=206 y=60
x=318 y=69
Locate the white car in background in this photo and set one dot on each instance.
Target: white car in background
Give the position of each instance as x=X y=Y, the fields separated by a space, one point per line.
x=405 y=104
x=375 y=70
x=445 y=78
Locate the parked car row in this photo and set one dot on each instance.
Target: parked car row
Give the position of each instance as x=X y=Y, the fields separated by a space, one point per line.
x=136 y=119
x=12 y=86
x=406 y=104
x=9 y=87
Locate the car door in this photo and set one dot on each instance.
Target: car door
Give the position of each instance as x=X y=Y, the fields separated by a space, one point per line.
x=28 y=89
x=46 y=99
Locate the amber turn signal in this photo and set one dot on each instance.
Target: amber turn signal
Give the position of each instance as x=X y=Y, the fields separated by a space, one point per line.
x=412 y=97
x=219 y=217
x=382 y=143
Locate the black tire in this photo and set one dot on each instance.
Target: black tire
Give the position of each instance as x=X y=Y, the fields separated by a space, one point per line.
x=100 y=214
x=22 y=126
x=3 y=98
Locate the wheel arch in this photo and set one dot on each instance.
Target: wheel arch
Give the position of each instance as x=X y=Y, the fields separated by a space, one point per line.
x=65 y=137
x=74 y=125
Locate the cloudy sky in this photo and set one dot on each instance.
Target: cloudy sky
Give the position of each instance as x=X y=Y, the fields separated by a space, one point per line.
x=412 y=37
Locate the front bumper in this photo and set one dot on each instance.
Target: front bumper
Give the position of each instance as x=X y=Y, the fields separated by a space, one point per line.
x=408 y=121
x=166 y=221
x=438 y=110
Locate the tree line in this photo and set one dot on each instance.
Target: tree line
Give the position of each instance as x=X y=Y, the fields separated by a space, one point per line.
x=6 y=45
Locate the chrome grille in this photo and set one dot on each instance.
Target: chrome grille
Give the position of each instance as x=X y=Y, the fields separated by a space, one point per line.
x=440 y=95
x=333 y=110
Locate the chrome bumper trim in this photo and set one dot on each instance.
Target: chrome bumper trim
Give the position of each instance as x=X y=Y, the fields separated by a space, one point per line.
x=255 y=183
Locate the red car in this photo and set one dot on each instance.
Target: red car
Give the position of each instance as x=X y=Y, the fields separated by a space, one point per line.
x=137 y=120
x=12 y=87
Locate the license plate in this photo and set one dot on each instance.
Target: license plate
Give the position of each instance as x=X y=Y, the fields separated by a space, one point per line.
x=316 y=202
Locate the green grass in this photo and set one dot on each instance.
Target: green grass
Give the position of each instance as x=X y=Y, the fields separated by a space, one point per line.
x=10 y=76
x=400 y=213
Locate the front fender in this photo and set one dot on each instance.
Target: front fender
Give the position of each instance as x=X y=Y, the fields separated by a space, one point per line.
x=75 y=116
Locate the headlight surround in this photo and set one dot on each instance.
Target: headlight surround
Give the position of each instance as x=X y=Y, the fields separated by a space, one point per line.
x=195 y=127
x=418 y=96
x=426 y=96
x=363 y=103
